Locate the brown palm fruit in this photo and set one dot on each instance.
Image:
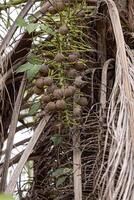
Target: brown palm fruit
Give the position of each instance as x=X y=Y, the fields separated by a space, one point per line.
x=59 y=57
x=39 y=82
x=51 y=106
x=63 y=30
x=45 y=7
x=44 y=70
x=58 y=93
x=81 y=13
x=73 y=57
x=51 y=88
x=82 y=101
x=38 y=91
x=79 y=66
x=45 y=98
x=79 y=83
x=72 y=73
x=48 y=81
x=77 y=111
x=60 y=104
x=69 y=91
x=59 y=5
x=52 y=10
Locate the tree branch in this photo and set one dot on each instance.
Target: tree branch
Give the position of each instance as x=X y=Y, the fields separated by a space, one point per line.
x=26 y=154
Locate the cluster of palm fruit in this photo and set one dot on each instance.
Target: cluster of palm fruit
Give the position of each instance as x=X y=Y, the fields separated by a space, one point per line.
x=59 y=81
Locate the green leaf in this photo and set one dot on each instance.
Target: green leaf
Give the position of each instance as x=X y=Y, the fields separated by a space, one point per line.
x=60 y=181
x=35 y=60
x=30 y=68
x=6 y=197
x=34 y=108
x=34 y=16
x=67 y=170
x=47 y=29
x=58 y=172
x=61 y=171
x=21 y=22
x=31 y=27
x=33 y=72
x=57 y=139
x=16 y=2
x=25 y=67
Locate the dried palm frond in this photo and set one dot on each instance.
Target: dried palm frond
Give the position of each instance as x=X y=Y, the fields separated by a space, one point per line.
x=27 y=152
x=117 y=180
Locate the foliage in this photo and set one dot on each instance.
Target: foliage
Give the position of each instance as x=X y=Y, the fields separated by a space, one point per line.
x=34 y=108
x=57 y=139
x=30 y=69
x=5 y=197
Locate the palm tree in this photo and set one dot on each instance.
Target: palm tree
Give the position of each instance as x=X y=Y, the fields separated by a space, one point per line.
x=67 y=77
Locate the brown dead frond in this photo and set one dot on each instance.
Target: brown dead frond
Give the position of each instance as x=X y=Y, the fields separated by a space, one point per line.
x=117 y=181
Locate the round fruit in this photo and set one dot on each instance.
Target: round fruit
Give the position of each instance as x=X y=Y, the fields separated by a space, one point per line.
x=52 y=10
x=73 y=57
x=81 y=13
x=72 y=73
x=77 y=111
x=45 y=7
x=79 y=66
x=51 y=106
x=48 y=81
x=59 y=5
x=45 y=98
x=60 y=104
x=51 y=88
x=59 y=57
x=82 y=101
x=44 y=70
x=58 y=93
x=69 y=91
x=63 y=30
x=79 y=82
x=40 y=82
x=38 y=91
